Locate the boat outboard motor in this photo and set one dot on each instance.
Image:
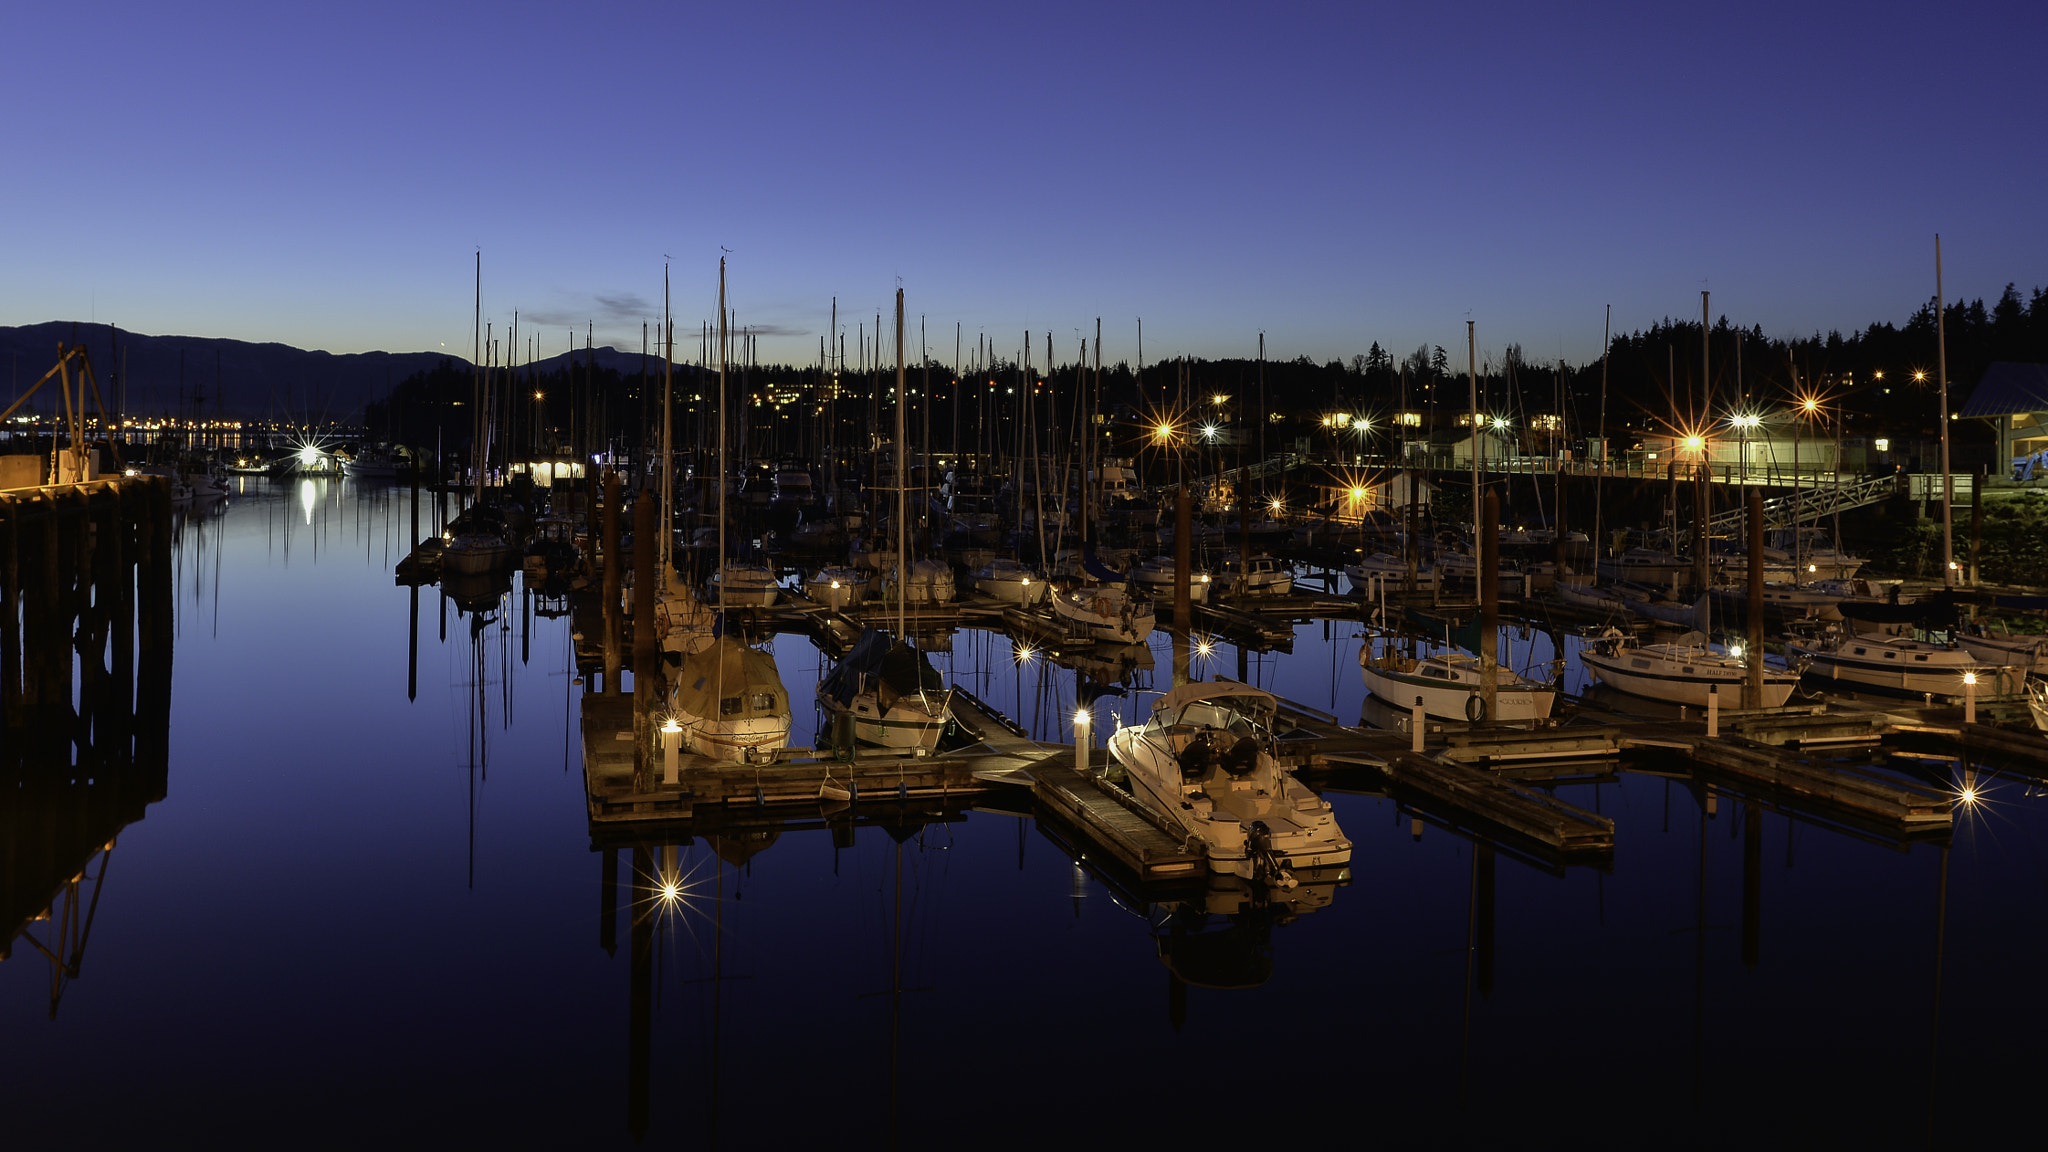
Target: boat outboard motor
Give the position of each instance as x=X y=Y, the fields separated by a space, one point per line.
x=1242 y=756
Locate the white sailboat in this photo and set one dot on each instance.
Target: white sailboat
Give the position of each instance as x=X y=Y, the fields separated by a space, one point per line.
x=728 y=698
x=1106 y=613
x=892 y=692
x=1684 y=672
x=1904 y=665
x=1156 y=576
x=1451 y=687
x=1011 y=582
x=1204 y=762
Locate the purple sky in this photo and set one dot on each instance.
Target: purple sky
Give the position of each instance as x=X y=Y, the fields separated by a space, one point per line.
x=1329 y=174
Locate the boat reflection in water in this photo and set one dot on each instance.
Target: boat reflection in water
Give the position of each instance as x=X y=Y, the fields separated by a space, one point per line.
x=1223 y=939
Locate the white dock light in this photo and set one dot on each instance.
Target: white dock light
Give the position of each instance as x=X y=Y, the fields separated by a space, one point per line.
x=1081 y=741
x=671 y=750
x=1969 y=697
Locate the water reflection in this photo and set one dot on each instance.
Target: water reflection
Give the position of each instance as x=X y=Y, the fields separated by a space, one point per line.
x=416 y=861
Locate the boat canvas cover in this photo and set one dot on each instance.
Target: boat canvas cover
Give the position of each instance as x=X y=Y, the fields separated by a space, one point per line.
x=1249 y=697
x=727 y=670
x=897 y=669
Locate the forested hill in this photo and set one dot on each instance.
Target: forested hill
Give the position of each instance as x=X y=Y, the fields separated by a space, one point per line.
x=234 y=377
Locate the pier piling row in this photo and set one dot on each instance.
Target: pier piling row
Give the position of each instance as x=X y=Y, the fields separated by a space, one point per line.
x=85 y=692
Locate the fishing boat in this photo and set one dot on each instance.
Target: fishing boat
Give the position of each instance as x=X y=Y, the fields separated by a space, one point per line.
x=1902 y=664
x=553 y=551
x=743 y=585
x=836 y=587
x=1204 y=762
x=1266 y=577
x=1011 y=582
x=1106 y=613
x=1450 y=686
x=891 y=693
x=1683 y=672
x=729 y=701
x=1156 y=576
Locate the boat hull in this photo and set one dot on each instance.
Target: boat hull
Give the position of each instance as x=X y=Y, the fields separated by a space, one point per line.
x=1679 y=688
x=1458 y=700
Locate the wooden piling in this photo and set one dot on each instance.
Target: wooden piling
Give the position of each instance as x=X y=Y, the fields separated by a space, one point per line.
x=609 y=543
x=1753 y=683
x=647 y=677
x=1183 y=561
x=1489 y=604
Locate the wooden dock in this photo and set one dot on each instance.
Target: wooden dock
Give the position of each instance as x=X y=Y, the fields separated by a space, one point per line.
x=1117 y=825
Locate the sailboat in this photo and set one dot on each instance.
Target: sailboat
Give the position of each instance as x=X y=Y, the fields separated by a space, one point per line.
x=892 y=692
x=728 y=697
x=895 y=697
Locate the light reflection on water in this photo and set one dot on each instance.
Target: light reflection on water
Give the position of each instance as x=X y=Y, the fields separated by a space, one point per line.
x=385 y=911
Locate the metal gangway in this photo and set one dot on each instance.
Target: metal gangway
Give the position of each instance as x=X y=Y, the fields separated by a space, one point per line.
x=1809 y=505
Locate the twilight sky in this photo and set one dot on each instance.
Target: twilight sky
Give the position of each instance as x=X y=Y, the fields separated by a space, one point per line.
x=1332 y=174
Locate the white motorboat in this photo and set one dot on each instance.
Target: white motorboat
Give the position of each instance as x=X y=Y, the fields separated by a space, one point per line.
x=1156 y=576
x=1107 y=613
x=1268 y=577
x=729 y=701
x=743 y=585
x=837 y=587
x=1204 y=762
x=1901 y=664
x=891 y=692
x=1450 y=686
x=1680 y=673
x=1998 y=646
x=1011 y=582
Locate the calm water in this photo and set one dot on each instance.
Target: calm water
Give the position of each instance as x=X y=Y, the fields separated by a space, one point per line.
x=362 y=919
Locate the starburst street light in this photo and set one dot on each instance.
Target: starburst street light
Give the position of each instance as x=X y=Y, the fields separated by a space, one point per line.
x=1209 y=432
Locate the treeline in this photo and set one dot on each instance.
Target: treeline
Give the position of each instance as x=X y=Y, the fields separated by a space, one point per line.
x=1880 y=380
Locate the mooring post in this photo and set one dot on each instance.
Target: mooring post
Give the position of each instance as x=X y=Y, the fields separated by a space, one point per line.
x=1489 y=606
x=1753 y=685
x=647 y=677
x=1418 y=725
x=10 y=610
x=608 y=544
x=1713 y=711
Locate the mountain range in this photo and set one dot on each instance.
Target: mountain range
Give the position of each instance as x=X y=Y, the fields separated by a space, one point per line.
x=177 y=374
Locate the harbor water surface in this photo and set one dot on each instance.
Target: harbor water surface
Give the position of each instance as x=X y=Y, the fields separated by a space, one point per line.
x=362 y=918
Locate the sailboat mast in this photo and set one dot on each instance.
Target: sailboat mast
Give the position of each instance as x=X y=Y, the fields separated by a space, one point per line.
x=668 y=471
x=719 y=563
x=1600 y=478
x=902 y=588
x=1472 y=377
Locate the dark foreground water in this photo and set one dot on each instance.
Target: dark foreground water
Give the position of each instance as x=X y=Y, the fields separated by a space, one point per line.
x=361 y=920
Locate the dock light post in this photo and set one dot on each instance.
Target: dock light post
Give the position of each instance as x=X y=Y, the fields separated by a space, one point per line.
x=671 y=751
x=1418 y=720
x=1713 y=711
x=1969 y=697
x=1081 y=741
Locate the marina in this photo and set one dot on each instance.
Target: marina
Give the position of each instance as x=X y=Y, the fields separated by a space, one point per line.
x=1424 y=602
